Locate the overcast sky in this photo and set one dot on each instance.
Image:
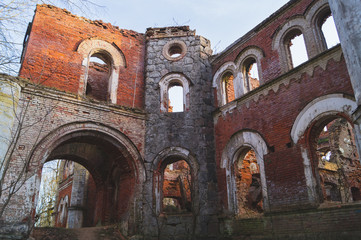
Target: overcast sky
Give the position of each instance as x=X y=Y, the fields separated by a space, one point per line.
x=221 y=21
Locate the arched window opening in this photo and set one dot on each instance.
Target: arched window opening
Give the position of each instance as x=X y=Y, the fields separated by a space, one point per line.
x=228 y=87
x=329 y=31
x=98 y=77
x=338 y=164
x=177 y=185
x=56 y=187
x=295 y=48
x=250 y=73
x=248 y=185
x=174 y=93
x=175 y=98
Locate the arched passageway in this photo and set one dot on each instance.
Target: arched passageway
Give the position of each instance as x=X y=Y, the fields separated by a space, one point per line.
x=113 y=162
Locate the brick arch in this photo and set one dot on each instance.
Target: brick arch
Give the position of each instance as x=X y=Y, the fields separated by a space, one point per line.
x=250 y=52
x=47 y=144
x=90 y=46
x=230 y=154
x=319 y=108
x=161 y=160
x=296 y=23
x=59 y=144
x=237 y=84
x=313 y=15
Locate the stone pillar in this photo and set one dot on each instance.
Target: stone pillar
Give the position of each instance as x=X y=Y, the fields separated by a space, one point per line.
x=176 y=56
x=78 y=197
x=347 y=17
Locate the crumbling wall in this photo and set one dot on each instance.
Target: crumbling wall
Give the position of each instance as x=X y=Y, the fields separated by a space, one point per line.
x=272 y=108
x=52 y=58
x=248 y=186
x=133 y=184
x=339 y=166
x=49 y=111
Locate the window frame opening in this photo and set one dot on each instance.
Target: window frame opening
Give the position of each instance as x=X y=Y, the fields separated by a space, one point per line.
x=248 y=64
x=293 y=51
x=90 y=46
x=184 y=181
x=95 y=68
x=174 y=50
x=325 y=19
x=168 y=81
x=228 y=90
x=175 y=105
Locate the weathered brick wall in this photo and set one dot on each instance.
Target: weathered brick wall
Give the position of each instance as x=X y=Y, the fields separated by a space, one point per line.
x=47 y=112
x=272 y=115
x=51 y=56
x=262 y=36
x=271 y=110
x=199 y=134
x=331 y=224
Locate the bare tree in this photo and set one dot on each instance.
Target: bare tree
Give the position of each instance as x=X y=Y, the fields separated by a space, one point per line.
x=14 y=18
x=24 y=122
x=45 y=208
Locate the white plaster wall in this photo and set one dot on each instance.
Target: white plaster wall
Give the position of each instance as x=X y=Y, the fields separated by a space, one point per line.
x=9 y=97
x=347 y=17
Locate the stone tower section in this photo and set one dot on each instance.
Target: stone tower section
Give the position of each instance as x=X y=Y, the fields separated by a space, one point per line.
x=176 y=57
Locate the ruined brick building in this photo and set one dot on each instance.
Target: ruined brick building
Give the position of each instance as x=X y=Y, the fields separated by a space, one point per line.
x=267 y=155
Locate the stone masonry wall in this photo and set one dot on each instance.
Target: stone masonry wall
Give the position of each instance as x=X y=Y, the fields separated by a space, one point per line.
x=191 y=129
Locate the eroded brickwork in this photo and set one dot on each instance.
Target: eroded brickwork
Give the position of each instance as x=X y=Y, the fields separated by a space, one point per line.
x=52 y=59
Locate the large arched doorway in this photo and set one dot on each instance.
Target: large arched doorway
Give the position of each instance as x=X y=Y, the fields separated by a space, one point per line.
x=248 y=184
x=242 y=158
x=113 y=162
x=335 y=159
x=324 y=132
x=175 y=181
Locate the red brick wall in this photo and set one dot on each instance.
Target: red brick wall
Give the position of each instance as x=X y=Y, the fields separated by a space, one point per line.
x=52 y=59
x=270 y=65
x=273 y=116
x=228 y=81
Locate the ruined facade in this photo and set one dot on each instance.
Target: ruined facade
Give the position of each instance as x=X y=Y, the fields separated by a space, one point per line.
x=245 y=156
